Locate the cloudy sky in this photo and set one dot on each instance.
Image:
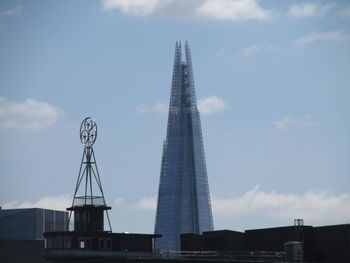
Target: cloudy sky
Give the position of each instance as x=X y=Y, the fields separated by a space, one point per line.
x=273 y=87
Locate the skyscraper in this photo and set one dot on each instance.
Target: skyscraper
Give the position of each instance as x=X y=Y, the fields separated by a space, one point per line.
x=183 y=197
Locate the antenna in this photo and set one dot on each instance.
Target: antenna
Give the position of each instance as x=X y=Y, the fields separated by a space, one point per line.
x=89 y=202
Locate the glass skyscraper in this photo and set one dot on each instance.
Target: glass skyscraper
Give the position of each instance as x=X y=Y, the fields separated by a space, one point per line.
x=183 y=197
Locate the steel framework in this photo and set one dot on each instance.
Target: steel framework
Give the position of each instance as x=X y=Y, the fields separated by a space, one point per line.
x=88 y=173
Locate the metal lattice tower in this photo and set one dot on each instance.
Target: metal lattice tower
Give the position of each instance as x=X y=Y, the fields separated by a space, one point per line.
x=89 y=202
x=183 y=197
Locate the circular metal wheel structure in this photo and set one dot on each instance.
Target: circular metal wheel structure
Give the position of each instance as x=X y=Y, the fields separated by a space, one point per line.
x=88 y=132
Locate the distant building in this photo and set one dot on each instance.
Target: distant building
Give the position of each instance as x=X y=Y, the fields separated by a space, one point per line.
x=273 y=239
x=332 y=243
x=222 y=240
x=21 y=232
x=324 y=244
x=30 y=223
x=183 y=196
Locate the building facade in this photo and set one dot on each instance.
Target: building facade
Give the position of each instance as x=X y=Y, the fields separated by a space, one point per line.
x=322 y=244
x=30 y=223
x=183 y=197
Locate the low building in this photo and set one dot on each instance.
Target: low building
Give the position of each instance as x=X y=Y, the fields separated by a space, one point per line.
x=332 y=243
x=21 y=251
x=21 y=233
x=30 y=223
x=323 y=244
x=73 y=246
x=224 y=240
x=273 y=239
x=191 y=242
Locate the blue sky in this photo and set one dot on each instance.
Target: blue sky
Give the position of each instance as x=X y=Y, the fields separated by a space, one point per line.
x=272 y=79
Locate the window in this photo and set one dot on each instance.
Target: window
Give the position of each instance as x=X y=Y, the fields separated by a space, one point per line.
x=109 y=243
x=58 y=242
x=67 y=242
x=50 y=242
x=105 y=243
x=88 y=243
x=101 y=243
x=82 y=243
x=85 y=242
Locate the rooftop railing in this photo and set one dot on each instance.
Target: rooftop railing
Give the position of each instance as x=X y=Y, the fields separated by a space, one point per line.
x=88 y=200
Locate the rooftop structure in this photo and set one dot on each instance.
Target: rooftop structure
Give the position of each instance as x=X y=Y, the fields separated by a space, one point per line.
x=89 y=202
x=88 y=239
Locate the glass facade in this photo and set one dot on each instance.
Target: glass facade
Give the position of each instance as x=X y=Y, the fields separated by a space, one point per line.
x=30 y=223
x=183 y=197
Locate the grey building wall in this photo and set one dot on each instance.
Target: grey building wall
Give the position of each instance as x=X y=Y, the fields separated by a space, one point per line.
x=30 y=223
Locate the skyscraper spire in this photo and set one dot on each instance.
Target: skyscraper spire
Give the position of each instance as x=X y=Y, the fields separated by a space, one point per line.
x=183 y=197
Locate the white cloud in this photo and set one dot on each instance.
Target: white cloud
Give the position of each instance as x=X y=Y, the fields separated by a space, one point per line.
x=159 y=107
x=333 y=36
x=12 y=12
x=57 y=202
x=316 y=207
x=309 y=10
x=212 y=105
x=287 y=121
x=119 y=202
x=145 y=204
x=133 y=7
x=254 y=49
x=28 y=115
x=313 y=206
x=234 y=10
x=346 y=12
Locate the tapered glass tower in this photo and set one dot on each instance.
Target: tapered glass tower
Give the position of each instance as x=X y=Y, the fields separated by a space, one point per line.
x=183 y=197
